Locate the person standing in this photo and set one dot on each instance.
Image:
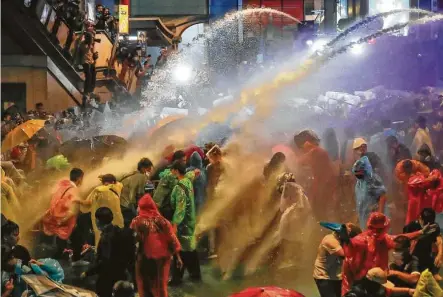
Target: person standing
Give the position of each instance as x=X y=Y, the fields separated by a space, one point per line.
x=157 y=242
x=422 y=136
x=329 y=262
x=396 y=151
x=322 y=190
x=183 y=221
x=214 y=172
x=61 y=217
x=88 y=58
x=133 y=189
x=115 y=253
x=370 y=192
x=196 y=162
x=360 y=147
x=106 y=195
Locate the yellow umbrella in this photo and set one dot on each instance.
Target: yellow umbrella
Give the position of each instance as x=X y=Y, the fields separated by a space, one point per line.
x=21 y=133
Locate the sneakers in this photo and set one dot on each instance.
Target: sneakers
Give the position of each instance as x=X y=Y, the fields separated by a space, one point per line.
x=79 y=263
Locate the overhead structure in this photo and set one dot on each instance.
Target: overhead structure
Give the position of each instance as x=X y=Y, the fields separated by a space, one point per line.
x=164 y=24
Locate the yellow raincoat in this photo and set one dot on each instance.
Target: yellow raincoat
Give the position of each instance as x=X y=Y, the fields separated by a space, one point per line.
x=10 y=205
x=104 y=196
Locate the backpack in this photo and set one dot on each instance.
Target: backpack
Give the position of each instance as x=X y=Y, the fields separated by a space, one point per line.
x=166 y=208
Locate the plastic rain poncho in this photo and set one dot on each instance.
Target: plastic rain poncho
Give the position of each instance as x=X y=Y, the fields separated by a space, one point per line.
x=368 y=190
x=105 y=196
x=9 y=204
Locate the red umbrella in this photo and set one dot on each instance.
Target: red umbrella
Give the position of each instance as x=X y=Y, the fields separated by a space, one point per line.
x=267 y=292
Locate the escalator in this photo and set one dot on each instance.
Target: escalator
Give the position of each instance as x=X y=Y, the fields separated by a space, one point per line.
x=36 y=32
x=24 y=28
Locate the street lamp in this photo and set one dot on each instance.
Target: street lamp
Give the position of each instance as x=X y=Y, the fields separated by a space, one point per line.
x=182 y=73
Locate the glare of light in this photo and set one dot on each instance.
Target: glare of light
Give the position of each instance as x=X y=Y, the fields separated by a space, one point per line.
x=132 y=38
x=182 y=73
x=318 y=45
x=357 y=49
x=309 y=42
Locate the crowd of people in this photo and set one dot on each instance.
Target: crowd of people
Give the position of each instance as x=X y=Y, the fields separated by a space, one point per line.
x=144 y=222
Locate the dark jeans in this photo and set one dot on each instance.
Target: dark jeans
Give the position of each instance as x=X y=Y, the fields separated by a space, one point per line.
x=191 y=263
x=78 y=238
x=90 y=76
x=328 y=288
x=128 y=215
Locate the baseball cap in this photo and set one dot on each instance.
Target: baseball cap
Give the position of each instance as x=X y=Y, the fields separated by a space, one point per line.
x=358 y=142
x=378 y=275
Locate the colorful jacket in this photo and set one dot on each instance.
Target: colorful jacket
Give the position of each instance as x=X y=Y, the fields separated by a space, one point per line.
x=184 y=212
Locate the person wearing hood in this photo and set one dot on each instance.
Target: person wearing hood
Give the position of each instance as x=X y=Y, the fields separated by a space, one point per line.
x=61 y=217
x=370 y=192
x=157 y=242
x=426 y=157
x=422 y=136
x=196 y=162
x=274 y=167
x=322 y=190
x=407 y=168
x=167 y=181
x=296 y=217
x=371 y=248
x=9 y=204
x=115 y=253
x=184 y=222
x=105 y=195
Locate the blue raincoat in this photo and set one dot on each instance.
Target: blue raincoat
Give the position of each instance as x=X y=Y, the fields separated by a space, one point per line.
x=368 y=190
x=200 y=182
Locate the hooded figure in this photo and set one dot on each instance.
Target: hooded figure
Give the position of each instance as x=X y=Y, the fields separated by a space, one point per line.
x=370 y=249
x=426 y=157
x=9 y=204
x=369 y=191
x=418 y=198
x=435 y=192
x=104 y=196
x=157 y=243
x=295 y=223
x=200 y=182
x=61 y=216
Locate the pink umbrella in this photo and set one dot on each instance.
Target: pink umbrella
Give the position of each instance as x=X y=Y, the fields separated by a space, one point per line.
x=267 y=292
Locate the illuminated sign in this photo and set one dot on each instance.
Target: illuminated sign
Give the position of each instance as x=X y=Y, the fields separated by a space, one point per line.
x=123 y=19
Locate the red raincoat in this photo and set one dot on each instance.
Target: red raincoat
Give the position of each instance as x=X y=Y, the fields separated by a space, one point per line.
x=368 y=250
x=322 y=189
x=158 y=243
x=60 y=219
x=436 y=194
x=417 y=197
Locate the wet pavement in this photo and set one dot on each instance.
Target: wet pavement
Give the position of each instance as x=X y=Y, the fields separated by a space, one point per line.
x=212 y=285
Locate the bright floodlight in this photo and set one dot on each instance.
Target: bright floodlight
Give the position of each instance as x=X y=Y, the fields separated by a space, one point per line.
x=183 y=73
x=357 y=49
